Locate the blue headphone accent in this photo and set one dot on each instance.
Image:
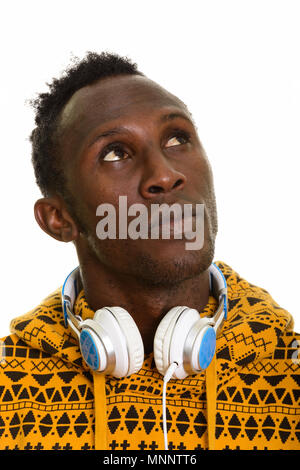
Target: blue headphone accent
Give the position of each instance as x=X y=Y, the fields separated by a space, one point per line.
x=207 y=348
x=89 y=350
x=70 y=290
x=225 y=288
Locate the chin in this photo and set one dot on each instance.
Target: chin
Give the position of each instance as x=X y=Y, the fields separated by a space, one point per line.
x=168 y=267
x=154 y=263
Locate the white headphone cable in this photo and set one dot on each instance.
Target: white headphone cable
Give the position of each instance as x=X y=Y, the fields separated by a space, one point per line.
x=168 y=375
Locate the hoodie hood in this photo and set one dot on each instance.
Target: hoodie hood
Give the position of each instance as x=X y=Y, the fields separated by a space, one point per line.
x=255 y=331
x=251 y=332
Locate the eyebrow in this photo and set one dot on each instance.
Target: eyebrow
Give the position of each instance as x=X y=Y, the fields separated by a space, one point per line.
x=170 y=116
x=121 y=129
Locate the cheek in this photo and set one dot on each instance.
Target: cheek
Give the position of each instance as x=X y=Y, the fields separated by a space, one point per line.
x=207 y=177
x=93 y=195
x=98 y=188
x=89 y=188
x=199 y=176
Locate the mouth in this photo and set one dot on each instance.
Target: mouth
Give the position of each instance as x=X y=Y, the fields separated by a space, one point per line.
x=173 y=224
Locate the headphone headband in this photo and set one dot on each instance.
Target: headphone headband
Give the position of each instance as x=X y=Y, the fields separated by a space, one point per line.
x=72 y=286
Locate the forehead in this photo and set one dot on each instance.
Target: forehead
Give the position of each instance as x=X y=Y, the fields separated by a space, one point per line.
x=113 y=98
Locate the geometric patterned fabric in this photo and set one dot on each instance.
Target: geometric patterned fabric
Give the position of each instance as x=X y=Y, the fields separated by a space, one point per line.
x=47 y=396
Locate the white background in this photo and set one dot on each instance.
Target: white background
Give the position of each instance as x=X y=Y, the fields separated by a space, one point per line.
x=235 y=64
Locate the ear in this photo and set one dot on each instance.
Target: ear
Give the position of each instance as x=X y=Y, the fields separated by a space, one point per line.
x=53 y=217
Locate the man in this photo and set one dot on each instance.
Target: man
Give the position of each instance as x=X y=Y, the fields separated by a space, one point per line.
x=103 y=131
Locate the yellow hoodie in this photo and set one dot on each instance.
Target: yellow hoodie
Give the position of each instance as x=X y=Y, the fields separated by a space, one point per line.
x=247 y=399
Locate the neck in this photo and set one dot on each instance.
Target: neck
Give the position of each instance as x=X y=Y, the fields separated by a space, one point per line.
x=146 y=303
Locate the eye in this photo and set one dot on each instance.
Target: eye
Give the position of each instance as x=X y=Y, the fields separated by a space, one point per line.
x=113 y=153
x=178 y=138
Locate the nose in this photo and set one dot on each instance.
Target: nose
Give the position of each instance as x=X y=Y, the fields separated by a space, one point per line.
x=160 y=177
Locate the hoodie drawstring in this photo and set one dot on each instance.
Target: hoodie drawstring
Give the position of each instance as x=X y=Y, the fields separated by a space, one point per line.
x=100 y=412
x=211 y=397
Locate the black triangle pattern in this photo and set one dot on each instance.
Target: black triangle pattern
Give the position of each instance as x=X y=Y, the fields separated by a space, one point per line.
x=257 y=327
x=114 y=420
x=253 y=300
x=15 y=376
x=219 y=425
x=234 y=427
x=149 y=420
x=131 y=419
x=182 y=422
x=68 y=376
x=224 y=354
x=274 y=379
x=42 y=379
x=246 y=360
x=249 y=379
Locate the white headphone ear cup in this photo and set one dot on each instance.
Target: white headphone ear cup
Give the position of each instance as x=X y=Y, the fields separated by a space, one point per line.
x=133 y=339
x=162 y=338
x=131 y=355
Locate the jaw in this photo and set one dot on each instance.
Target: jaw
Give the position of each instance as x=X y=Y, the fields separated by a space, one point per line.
x=145 y=262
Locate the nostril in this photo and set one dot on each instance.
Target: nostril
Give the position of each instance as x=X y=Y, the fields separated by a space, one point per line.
x=155 y=189
x=178 y=183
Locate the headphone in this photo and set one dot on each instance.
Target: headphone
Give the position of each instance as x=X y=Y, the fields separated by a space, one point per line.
x=110 y=342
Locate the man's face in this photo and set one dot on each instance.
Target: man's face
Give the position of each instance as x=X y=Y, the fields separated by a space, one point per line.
x=127 y=136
